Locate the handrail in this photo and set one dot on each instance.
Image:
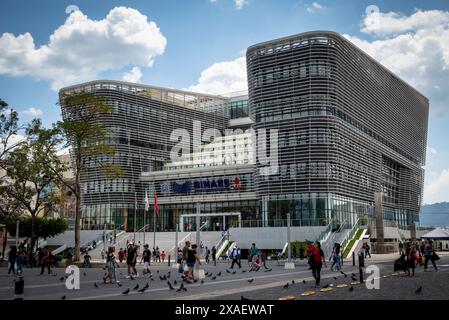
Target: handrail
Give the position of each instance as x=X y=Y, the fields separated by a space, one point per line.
x=326 y=231
x=203 y=226
x=350 y=235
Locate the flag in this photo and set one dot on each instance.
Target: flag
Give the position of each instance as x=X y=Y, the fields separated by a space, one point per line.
x=156 y=205
x=147 y=203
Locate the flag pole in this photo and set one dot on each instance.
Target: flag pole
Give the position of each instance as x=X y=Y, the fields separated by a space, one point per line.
x=154 y=221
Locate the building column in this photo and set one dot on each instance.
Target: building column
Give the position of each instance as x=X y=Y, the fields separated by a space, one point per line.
x=380 y=241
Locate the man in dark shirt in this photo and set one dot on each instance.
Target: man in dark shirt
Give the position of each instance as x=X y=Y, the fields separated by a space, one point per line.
x=146 y=257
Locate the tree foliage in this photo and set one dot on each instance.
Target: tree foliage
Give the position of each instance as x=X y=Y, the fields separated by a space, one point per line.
x=45 y=227
x=82 y=130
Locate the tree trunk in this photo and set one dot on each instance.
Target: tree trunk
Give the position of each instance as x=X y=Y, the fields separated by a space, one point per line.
x=77 y=216
x=33 y=240
x=4 y=242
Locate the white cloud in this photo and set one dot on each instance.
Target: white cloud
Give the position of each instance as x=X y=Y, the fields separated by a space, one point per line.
x=133 y=76
x=34 y=112
x=436 y=190
x=240 y=3
x=416 y=48
x=82 y=48
x=222 y=77
x=314 y=7
x=432 y=150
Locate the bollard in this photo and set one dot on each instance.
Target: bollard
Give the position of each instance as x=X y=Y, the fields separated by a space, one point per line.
x=18 y=287
x=361 y=266
x=169 y=260
x=353 y=258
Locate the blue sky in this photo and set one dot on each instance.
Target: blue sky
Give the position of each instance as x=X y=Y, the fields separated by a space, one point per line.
x=200 y=44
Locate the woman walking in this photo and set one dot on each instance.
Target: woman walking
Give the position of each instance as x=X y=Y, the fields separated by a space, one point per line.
x=192 y=258
x=336 y=252
x=429 y=255
x=110 y=266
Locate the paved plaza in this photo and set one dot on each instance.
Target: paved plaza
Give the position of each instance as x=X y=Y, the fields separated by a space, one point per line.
x=232 y=285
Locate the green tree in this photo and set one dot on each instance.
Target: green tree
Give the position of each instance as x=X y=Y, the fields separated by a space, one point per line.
x=9 y=128
x=45 y=227
x=30 y=169
x=82 y=130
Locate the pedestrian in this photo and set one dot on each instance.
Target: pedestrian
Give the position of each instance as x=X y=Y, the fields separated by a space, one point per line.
x=294 y=253
x=103 y=254
x=301 y=253
x=163 y=256
x=131 y=261
x=235 y=258
x=121 y=255
x=110 y=266
x=367 y=250
x=318 y=259
x=185 y=268
x=20 y=260
x=158 y=254
x=401 y=248
x=410 y=252
x=87 y=258
x=146 y=258
x=430 y=255
x=12 y=255
x=206 y=258
x=45 y=260
x=336 y=256
x=154 y=254
x=214 y=255
x=192 y=258
x=254 y=257
x=39 y=257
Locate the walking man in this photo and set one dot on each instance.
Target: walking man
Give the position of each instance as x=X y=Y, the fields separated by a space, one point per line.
x=235 y=258
x=429 y=255
x=146 y=258
x=214 y=253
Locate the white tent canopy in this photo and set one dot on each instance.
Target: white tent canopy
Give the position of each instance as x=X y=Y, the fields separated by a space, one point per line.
x=437 y=234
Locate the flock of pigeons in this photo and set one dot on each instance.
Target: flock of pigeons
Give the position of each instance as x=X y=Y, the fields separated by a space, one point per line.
x=210 y=275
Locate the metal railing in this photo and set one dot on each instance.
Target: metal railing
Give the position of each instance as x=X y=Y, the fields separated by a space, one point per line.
x=349 y=236
x=280 y=223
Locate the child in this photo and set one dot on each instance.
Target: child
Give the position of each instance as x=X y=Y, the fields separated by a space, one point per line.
x=163 y=256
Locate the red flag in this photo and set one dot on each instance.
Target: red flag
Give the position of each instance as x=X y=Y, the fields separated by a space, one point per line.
x=156 y=204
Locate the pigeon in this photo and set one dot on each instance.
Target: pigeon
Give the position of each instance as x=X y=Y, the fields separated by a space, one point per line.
x=157 y=271
x=354 y=278
x=286 y=286
x=227 y=271
x=202 y=281
x=169 y=272
x=335 y=278
x=206 y=274
x=293 y=281
x=170 y=286
x=244 y=299
x=341 y=271
x=353 y=274
x=213 y=278
x=84 y=274
x=185 y=289
x=243 y=271
x=61 y=279
x=234 y=272
x=351 y=289
x=162 y=278
x=250 y=280
x=219 y=274
x=418 y=290
x=119 y=284
x=151 y=279
x=175 y=282
x=303 y=281
x=142 y=290
x=95 y=285
x=63 y=298
x=136 y=287
x=168 y=277
x=196 y=280
x=210 y=275
x=326 y=286
x=126 y=291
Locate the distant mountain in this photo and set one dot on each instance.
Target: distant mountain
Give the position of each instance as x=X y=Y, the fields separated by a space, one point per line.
x=436 y=214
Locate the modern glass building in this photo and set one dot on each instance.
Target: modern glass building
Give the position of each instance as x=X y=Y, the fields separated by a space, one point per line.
x=346 y=128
